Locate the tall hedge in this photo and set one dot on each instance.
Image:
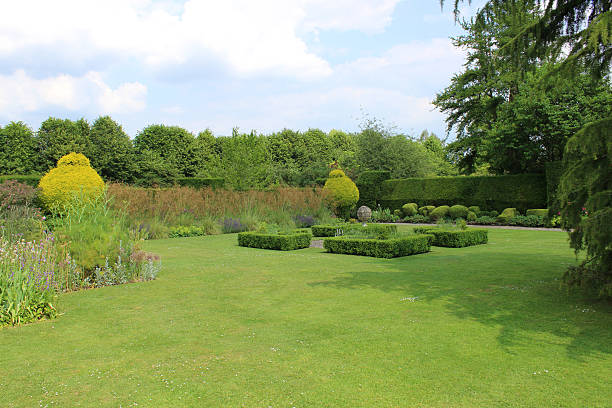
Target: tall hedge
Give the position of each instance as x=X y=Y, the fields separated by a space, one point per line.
x=201 y=182
x=369 y=184
x=521 y=191
x=554 y=170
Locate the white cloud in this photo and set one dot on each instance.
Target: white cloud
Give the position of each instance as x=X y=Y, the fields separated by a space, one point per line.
x=251 y=37
x=21 y=93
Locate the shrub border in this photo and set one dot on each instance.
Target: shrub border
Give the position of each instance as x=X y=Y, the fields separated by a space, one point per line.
x=379 y=248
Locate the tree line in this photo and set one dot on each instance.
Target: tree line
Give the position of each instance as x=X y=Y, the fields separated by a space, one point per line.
x=160 y=154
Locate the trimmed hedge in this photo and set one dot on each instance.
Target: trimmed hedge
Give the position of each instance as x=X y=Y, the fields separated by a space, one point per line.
x=539 y=212
x=455 y=238
x=31 y=180
x=200 y=182
x=369 y=184
x=283 y=242
x=342 y=229
x=507 y=214
x=379 y=248
x=554 y=170
x=522 y=191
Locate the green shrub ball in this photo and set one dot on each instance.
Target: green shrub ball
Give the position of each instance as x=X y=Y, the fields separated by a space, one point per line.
x=439 y=212
x=458 y=211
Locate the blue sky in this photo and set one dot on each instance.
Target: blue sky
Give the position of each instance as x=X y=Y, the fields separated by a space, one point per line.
x=259 y=65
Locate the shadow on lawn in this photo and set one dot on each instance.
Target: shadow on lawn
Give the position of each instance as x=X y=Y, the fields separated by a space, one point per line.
x=522 y=304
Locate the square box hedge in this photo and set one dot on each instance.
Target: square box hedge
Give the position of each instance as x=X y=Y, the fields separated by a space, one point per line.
x=282 y=242
x=379 y=248
x=342 y=229
x=455 y=238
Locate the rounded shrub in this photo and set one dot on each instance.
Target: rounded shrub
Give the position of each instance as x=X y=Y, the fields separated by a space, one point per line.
x=72 y=177
x=341 y=193
x=508 y=213
x=475 y=209
x=439 y=213
x=409 y=209
x=458 y=211
x=426 y=210
x=471 y=216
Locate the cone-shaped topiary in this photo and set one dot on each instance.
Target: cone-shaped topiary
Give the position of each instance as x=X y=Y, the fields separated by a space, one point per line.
x=72 y=176
x=341 y=193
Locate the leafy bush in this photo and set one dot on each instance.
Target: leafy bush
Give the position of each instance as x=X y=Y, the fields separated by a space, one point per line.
x=398 y=213
x=485 y=220
x=19 y=219
x=384 y=215
x=474 y=208
x=417 y=219
x=458 y=211
x=527 y=221
x=490 y=192
x=426 y=209
x=439 y=213
x=379 y=248
x=505 y=216
x=73 y=176
x=540 y=212
x=409 y=209
x=283 y=242
x=341 y=193
x=455 y=238
x=471 y=217
x=140 y=266
x=186 y=231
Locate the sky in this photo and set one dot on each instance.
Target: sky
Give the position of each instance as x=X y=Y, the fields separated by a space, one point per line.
x=257 y=65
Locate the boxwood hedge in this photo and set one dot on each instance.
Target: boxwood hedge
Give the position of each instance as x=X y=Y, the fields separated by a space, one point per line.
x=522 y=191
x=455 y=238
x=283 y=242
x=343 y=229
x=379 y=248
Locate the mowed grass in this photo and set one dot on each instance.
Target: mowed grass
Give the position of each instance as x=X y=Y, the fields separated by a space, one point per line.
x=225 y=326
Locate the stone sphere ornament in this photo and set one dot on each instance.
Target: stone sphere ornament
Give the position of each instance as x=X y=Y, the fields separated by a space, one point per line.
x=364 y=214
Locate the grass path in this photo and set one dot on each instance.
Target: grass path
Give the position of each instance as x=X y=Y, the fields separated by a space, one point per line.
x=225 y=326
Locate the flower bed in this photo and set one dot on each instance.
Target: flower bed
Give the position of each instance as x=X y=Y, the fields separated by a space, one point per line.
x=283 y=242
x=379 y=248
x=455 y=238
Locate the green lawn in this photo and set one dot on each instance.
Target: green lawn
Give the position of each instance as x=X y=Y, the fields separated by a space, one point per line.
x=226 y=326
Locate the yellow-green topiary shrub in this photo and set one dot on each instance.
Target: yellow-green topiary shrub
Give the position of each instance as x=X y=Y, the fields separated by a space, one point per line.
x=341 y=193
x=72 y=177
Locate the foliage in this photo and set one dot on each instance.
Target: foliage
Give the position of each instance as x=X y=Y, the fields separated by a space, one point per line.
x=172 y=144
x=409 y=209
x=383 y=215
x=553 y=171
x=111 y=151
x=372 y=230
x=17 y=149
x=439 y=213
x=379 y=248
x=200 y=182
x=31 y=180
x=27 y=281
x=245 y=161
x=417 y=219
x=526 y=220
x=57 y=138
x=341 y=193
x=153 y=171
x=586 y=187
x=540 y=212
x=458 y=211
x=283 y=242
x=369 y=184
x=19 y=217
x=455 y=238
x=490 y=192
x=426 y=209
x=485 y=220
x=304 y=221
x=72 y=176
x=232 y=225
x=506 y=214
x=186 y=231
